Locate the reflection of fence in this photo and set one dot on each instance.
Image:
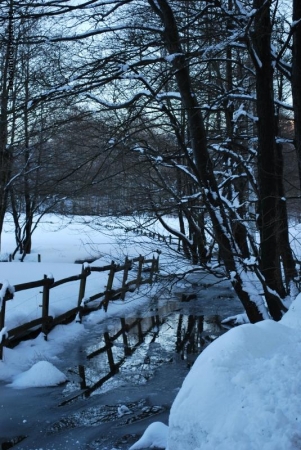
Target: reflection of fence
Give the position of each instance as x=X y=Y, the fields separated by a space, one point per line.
x=142 y=326
x=100 y=299
x=193 y=334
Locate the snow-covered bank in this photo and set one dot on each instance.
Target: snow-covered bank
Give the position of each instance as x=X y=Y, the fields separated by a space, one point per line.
x=61 y=242
x=22 y=357
x=243 y=392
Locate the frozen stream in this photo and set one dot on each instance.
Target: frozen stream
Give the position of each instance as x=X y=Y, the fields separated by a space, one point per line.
x=97 y=411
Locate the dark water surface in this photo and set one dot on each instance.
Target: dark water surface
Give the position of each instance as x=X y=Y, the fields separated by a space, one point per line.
x=123 y=378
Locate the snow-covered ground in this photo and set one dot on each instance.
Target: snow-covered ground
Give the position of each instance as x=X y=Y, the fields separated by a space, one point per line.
x=244 y=390
x=61 y=242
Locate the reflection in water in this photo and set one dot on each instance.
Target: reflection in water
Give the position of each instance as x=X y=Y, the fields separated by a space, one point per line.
x=194 y=333
x=134 y=348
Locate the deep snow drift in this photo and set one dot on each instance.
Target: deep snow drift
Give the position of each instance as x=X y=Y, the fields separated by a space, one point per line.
x=243 y=392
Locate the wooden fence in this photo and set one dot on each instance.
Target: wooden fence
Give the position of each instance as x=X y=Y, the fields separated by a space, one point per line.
x=100 y=300
x=169 y=239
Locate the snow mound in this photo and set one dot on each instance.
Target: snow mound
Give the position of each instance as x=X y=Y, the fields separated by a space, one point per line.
x=123 y=410
x=155 y=436
x=244 y=391
x=292 y=318
x=41 y=374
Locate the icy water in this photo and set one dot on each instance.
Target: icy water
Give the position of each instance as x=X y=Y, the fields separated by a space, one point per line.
x=121 y=380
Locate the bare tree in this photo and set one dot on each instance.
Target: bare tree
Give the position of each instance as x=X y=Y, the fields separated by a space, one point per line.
x=196 y=105
x=7 y=49
x=296 y=78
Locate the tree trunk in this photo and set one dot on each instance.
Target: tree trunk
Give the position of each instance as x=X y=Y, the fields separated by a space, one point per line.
x=27 y=192
x=296 y=80
x=285 y=251
x=203 y=162
x=7 y=85
x=270 y=181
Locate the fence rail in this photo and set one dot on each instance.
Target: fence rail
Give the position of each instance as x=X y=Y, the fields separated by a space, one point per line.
x=170 y=239
x=46 y=322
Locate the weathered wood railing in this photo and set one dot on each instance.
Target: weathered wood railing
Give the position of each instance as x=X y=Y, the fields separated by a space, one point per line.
x=159 y=237
x=46 y=322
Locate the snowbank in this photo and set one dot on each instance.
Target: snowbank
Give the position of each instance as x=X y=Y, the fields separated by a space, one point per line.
x=244 y=391
x=155 y=436
x=41 y=374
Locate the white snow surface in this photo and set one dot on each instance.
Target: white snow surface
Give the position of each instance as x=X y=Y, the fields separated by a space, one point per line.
x=244 y=390
x=41 y=374
x=60 y=241
x=155 y=436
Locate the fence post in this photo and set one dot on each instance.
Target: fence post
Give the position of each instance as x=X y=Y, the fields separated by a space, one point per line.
x=2 y=330
x=7 y=296
x=127 y=266
x=2 y=321
x=157 y=264
x=124 y=327
x=108 y=342
x=152 y=270
x=45 y=305
x=140 y=332
x=109 y=286
x=82 y=374
x=82 y=288
x=139 y=276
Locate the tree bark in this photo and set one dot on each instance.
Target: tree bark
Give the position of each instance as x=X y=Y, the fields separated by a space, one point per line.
x=7 y=86
x=203 y=162
x=271 y=207
x=296 y=80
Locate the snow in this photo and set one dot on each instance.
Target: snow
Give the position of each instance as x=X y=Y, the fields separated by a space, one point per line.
x=5 y=289
x=3 y=333
x=61 y=241
x=26 y=305
x=243 y=391
x=252 y=286
x=155 y=436
x=22 y=358
x=123 y=410
x=242 y=112
x=239 y=319
x=170 y=58
x=41 y=374
x=169 y=95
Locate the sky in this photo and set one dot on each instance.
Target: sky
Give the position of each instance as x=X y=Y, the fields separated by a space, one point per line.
x=243 y=391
